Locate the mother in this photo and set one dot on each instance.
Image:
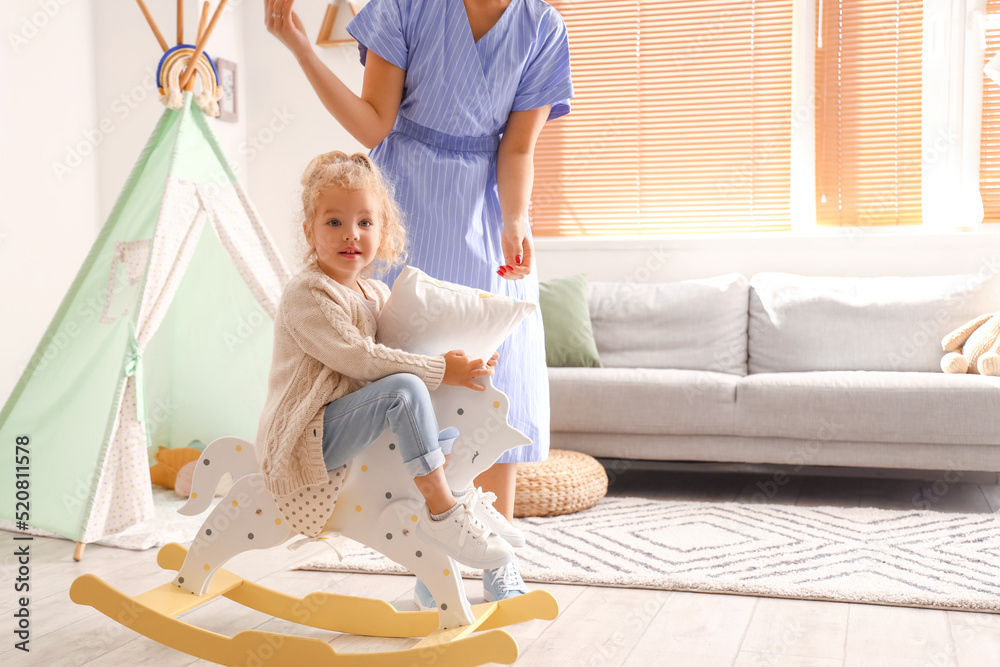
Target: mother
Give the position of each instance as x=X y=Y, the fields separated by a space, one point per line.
x=454 y=97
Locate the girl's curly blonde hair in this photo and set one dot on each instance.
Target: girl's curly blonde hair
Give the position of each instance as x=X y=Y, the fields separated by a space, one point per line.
x=356 y=172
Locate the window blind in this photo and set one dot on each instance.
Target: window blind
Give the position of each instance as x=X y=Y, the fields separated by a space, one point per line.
x=680 y=123
x=868 y=88
x=989 y=155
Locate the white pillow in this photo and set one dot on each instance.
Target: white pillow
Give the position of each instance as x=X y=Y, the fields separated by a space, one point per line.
x=428 y=316
x=884 y=323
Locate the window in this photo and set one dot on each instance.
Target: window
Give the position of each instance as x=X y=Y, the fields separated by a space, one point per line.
x=680 y=121
x=989 y=160
x=868 y=132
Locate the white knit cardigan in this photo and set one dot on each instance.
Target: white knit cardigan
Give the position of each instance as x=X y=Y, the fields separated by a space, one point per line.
x=324 y=348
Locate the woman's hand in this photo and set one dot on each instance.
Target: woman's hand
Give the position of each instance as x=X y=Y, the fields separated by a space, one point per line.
x=518 y=250
x=285 y=24
x=515 y=175
x=460 y=370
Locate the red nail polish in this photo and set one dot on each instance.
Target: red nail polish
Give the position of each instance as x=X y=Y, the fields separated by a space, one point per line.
x=518 y=259
x=500 y=273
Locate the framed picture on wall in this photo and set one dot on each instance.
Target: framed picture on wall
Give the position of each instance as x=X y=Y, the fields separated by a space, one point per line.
x=227 y=79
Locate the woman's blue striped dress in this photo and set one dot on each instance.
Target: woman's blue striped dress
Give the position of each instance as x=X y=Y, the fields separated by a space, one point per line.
x=441 y=157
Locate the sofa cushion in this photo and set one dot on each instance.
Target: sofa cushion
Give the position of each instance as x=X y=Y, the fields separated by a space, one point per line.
x=641 y=400
x=569 y=335
x=870 y=406
x=802 y=323
x=692 y=324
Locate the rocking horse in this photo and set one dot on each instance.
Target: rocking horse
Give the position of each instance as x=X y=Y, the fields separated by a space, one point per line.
x=378 y=506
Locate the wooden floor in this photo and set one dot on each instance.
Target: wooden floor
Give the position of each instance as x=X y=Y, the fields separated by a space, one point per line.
x=596 y=626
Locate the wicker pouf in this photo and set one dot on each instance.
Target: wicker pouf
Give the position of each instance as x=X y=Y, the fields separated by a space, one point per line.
x=566 y=482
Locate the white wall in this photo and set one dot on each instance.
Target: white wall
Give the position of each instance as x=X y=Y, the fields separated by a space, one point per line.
x=287 y=124
x=47 y=219
x=892 y=252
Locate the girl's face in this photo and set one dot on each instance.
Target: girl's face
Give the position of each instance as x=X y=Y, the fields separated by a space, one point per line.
x=345 y=233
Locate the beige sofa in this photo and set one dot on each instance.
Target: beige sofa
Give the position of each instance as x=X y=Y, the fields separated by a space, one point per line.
x=782 y=369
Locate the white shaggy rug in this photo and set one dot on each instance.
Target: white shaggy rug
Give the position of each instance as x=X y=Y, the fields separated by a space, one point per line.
x=912 y=558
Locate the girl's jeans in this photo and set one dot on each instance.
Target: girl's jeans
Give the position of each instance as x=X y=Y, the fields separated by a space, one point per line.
x=401 y=402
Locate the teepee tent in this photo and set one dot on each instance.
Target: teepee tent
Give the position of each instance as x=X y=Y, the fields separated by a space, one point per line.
x=164 y=337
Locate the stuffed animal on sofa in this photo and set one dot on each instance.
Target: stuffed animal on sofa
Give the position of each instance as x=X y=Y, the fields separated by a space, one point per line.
x=974 y=347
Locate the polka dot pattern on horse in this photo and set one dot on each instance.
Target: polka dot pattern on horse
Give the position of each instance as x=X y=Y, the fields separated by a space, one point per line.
x=307 y=510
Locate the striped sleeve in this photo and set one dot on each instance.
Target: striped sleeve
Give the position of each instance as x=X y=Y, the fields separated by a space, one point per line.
x=379 y=27
x=546 y=78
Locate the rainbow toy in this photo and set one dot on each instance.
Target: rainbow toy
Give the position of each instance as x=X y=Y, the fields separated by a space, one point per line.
x=173 y=65
x=183 y=63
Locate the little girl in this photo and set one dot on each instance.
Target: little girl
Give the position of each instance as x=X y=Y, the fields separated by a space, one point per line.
x=332 y=390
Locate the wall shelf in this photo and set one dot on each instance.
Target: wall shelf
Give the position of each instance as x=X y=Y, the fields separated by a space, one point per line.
x=326 y=37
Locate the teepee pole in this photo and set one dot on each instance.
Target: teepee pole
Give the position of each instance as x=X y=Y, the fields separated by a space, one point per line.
x=189 y=72
x=152 y=24
x=180 y=21
x=204 y=20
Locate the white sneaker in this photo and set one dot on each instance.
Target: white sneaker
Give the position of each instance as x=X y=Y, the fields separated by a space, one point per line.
x=481 y=505
x=466 y=538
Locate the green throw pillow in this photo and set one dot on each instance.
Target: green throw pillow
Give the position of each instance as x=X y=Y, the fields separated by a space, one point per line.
x=569 y=337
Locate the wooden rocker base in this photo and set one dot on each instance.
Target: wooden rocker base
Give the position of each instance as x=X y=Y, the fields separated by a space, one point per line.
x=153 y=614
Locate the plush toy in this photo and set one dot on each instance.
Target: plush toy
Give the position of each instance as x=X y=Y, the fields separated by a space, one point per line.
x=185 y=477
x=169 y=463
x=974 y=347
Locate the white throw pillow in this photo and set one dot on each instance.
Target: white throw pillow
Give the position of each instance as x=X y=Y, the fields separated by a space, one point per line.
x=816 y=323
x=690 y=325
x=428 y=316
